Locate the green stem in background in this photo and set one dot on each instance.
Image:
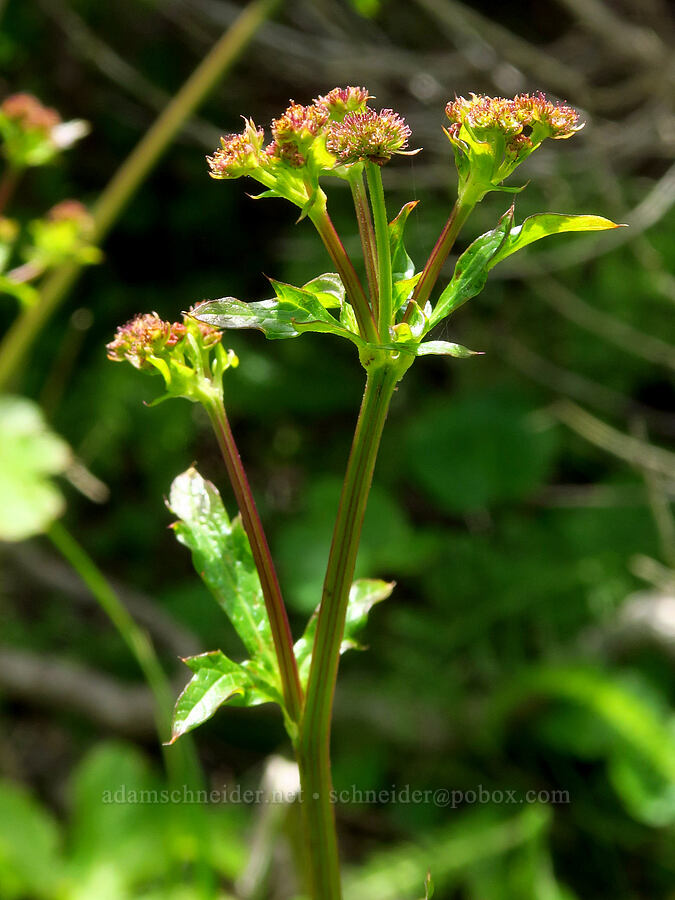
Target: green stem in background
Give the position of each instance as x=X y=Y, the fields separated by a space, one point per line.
x=331 y=239
x=374 y=176
x=274 y=603
x=460 y=213
x=182 y=767
x=314 y=740
x=131 y=175
x=367 y=234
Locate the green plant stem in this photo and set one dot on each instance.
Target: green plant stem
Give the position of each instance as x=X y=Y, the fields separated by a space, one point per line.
x=136 y=639
x=374 y=176
x=367 y=234
x=331 y=239
x=131 y=174
x=460 y=213
x=274 y=603
x=314 y=740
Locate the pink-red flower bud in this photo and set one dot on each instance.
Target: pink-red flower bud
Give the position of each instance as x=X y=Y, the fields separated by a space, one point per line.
x=368 y=135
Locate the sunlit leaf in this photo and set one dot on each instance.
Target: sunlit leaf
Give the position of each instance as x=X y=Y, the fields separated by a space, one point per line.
x=445 y=348
x=221 y=554
x=216 y=680
x=30 y=454
x=328 y=289
x=471 y=270
x=363 y=595
x=265 y=315
x=544 y=224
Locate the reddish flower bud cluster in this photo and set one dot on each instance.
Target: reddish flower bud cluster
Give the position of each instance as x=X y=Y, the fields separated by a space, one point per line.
x=146 y=336
x=368 y=135
x=27 y=111
x=238 y=153
x=295 y=131
x=302 y=134
x=341 y=101
x=482 y=113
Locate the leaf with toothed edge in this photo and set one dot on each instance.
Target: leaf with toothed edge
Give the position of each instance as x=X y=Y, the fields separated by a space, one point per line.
x=295 y=311
x=363 y=595
x=222 y=556
x=216 y=681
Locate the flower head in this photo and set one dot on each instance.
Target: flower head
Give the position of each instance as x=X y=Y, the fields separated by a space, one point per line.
x=368 y=135
x=140 y=339
x=295 y=131
x=188 y=354
x=33 y=134
x=341 y=101
x=493 y=135
x=239 y=154
x=27 y=111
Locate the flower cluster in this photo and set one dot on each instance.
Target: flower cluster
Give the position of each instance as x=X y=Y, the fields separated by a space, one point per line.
x=295 y=132
x=238 y=154
x=510 y=117
x=27 y=111
x=368 y=136
x=33 y=133
x=341 y=101
x=493 y=135
x=334 y=133
x=188 y=354
x=65 y=234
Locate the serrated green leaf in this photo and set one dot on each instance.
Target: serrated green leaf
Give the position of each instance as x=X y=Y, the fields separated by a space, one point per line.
x=265 y=315
x=222 y=556
x=363 y=595
x=30 y=455
x=445 y=348
x=328 y=289
x=216 y=680
x=544 y=224
x=471 y=270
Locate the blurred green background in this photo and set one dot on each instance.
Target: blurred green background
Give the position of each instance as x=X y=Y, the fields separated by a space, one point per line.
x=522 y=498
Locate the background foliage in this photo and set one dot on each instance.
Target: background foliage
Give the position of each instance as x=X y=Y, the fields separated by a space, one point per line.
x=530 y=638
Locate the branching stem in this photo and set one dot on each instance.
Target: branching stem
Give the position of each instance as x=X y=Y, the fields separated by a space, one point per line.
x=274 y=603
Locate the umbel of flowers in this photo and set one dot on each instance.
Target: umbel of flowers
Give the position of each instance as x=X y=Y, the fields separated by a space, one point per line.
x=187 y=354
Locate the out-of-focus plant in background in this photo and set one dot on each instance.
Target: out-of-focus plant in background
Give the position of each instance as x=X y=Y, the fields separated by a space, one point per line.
x=531 y=643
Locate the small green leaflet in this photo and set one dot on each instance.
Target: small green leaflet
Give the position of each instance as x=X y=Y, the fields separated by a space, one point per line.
x=216 y=680
x=221 y=554
x=363 y=595
x=544 y=224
